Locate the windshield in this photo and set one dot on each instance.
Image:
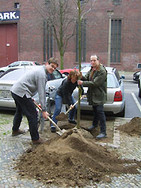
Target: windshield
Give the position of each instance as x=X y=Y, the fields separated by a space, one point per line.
x=83 y=65
x=112 y=82
x=15 y=74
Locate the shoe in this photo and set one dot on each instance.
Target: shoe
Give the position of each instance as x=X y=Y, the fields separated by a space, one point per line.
x=39 y=141
x=18 y=132
x=101 y=135
x=53 y=129
x=91 y=128
x=72 y=121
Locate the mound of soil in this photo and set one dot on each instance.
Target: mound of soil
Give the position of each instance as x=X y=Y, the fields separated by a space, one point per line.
x=133 y=127
x=72 y=159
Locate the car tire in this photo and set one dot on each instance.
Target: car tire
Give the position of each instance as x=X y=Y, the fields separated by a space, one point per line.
x=139 y=93
x=1 y=72
x=122 y=113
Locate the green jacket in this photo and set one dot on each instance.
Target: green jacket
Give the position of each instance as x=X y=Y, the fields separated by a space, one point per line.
x=97 y=86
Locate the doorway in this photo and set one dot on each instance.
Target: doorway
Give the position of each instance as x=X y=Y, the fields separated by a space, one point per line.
x=8 y=44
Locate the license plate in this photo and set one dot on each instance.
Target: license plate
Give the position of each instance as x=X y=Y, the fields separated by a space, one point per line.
x=5 y=94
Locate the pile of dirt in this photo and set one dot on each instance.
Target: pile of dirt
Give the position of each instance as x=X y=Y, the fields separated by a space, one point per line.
x=72 y=159
x=133 y=127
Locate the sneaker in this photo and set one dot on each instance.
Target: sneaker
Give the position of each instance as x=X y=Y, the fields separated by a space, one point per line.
x=53 y=129
x=39 y=141
x=101 y=135
x=91 y=128
x=72 y=121
x=18 y=132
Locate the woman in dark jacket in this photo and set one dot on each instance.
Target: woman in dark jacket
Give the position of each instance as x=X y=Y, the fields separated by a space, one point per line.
x=64 y=96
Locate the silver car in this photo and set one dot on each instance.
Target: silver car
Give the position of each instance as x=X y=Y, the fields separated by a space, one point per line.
x=83 y=65
x=139 y=80
x=11 y=76
x=18 y=64
x=115 y=93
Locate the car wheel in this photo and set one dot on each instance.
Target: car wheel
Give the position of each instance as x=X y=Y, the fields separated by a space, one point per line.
x=139 y=92
x=122 y=113
x=1 y=72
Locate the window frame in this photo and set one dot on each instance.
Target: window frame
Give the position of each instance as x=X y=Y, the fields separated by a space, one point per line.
x=116 y=28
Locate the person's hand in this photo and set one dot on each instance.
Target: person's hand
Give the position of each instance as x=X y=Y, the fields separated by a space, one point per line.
x=79 y=82
x=45 y=114
x=71 y=106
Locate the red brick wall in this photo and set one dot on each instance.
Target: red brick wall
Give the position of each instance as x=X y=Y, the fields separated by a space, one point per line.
x=30 y=32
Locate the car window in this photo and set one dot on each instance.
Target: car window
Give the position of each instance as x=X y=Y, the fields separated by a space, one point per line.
x=13 y=75
x=85 y=70
x=25 y=63
x=16 y=74
x=14 y=64
x=112 y=78
x=56 y=75
x=36 y=63
x=111 y=81
x=117 y=74
x=83 y=65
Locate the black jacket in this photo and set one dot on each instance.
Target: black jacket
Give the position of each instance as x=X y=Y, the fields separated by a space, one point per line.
x=65 y=91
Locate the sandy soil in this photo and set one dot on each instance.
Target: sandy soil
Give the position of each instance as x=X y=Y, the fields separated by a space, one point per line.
x=76 y=158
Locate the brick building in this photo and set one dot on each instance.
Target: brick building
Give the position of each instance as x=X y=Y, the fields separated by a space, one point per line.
x=24 y=34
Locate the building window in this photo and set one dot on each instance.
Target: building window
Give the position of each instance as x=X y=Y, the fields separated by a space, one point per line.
x=83 y=41
x=17 y=5
x=82 y=2
x=48 y=41
x=115 y=40
x=47 y=2
x=117 y=2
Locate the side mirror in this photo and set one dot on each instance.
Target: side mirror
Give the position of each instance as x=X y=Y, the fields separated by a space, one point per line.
x=64 y=75
x=122 y=77
x=139 y=65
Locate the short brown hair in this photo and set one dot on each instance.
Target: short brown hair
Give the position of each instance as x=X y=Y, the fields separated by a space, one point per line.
x=73 y=73
x=53 y=60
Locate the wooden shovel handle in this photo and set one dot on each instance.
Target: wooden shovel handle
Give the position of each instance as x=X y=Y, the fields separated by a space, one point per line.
x=54 y=124
x=48 y=117
x=74 y=104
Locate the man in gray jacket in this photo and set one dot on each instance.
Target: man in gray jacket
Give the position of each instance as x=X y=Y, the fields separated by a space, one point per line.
x=96 y=81
x=34 y=81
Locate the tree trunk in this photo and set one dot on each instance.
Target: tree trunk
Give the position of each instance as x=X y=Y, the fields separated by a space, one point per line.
x=79 y=47
x=61 y=59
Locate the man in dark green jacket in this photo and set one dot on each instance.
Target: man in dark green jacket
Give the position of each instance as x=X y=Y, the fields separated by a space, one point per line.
x=96 y=81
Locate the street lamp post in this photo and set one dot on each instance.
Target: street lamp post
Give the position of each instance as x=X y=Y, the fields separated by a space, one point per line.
x=109 y=13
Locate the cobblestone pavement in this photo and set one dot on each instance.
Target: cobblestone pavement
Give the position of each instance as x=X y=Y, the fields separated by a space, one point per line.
x=12 y=147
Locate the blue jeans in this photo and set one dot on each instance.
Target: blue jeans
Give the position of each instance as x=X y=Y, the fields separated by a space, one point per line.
x=99 y=115
x=58 y=106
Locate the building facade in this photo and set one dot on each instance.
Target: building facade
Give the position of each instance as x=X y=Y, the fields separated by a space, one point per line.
x=111 y=29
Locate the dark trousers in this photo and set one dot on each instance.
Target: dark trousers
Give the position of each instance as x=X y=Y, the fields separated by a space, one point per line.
x=25 y=106
x=99 y=115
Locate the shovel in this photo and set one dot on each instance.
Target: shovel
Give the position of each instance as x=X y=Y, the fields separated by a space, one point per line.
x=62 y=116
x=60 y=132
